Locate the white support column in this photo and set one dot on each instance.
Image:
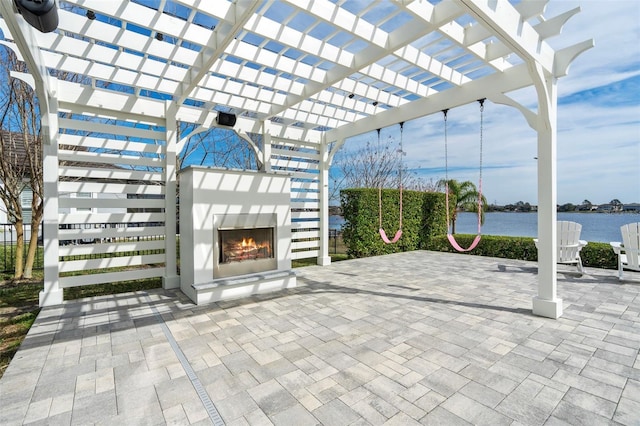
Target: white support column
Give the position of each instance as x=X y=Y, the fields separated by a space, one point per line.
x=52 y=294
x=546 y=303
x=323 y=257
x=46 y=90
x=266 y=152
x=171 y=278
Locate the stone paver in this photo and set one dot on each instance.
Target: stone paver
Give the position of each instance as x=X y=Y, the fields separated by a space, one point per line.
x=411 y=338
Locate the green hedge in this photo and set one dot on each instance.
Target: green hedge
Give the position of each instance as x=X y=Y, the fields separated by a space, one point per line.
x=594 y=255
x=521 y=248
x=422 y=218
x=599 y=255
x=424 y=227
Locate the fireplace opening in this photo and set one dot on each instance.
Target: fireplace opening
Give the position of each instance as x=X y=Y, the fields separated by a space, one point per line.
x=238 y=245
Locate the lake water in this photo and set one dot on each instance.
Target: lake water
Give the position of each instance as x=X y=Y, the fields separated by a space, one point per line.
x=600 y=227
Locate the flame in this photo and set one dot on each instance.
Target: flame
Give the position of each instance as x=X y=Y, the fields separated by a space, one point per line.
x=249 y=243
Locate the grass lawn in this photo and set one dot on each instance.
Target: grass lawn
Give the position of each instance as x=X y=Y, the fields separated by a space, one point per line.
x=18 y=310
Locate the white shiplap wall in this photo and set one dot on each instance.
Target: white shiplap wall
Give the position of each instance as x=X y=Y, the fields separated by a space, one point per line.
x=301 y=160
x=118 y=232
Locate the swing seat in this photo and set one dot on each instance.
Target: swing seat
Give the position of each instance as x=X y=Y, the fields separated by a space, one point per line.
x=387 y=240
x=458 y=247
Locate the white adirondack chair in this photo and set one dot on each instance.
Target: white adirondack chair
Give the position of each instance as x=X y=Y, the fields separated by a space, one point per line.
x=569 y=243
x=629 y=250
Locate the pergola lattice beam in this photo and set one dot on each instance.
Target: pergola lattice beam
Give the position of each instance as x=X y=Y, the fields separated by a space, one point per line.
x=507 y=24
x=305 y=109
x=100 y=102
x=237 y=15
x=469 y=38
x=364 y=61
x=145 y=69
x=512 y=79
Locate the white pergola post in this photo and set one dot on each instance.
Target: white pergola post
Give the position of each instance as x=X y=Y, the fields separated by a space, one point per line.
x=266 y=152
x=171 y=278
x=46 y=90
x=51 y=294
x=323 y=256
x=546 y=303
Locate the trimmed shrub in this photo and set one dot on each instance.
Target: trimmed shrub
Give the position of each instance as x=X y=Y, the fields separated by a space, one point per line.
x=599 y=255
x=521 y=248
x=424 y=226
x=594 y=254
x=434 y=218
x=422 y=218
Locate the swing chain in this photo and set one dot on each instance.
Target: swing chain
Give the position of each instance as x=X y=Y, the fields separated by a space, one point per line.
x=446 y=170
x=481 y=101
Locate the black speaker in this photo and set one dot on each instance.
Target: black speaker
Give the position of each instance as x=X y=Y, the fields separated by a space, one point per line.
x=40 y=14
x=226 y=119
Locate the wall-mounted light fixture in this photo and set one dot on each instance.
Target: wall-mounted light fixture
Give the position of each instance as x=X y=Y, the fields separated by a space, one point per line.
x=226 y=119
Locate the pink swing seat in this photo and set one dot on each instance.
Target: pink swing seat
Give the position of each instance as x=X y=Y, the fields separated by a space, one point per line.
x=387 y=240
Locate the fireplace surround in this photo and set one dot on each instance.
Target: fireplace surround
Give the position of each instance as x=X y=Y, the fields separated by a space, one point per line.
x=220 y=208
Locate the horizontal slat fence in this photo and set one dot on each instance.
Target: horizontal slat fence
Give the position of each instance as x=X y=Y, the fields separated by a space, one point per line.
x=111 y=200
x=301 y=161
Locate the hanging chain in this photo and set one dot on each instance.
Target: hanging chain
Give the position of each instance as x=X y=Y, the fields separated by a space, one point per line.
x=379 y=186
x=446 y=156
x=401 y=153
x=481 y=132
x=481 y=101
x=446 y=169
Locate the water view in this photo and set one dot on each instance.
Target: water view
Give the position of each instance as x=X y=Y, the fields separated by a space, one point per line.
x=598 y=227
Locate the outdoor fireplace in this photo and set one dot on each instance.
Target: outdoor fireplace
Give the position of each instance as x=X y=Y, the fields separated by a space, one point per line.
x=235 y=233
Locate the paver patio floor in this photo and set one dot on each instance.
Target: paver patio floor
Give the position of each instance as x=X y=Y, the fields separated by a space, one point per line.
x=411 y=338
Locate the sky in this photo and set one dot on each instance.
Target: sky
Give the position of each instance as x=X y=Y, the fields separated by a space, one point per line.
x=598 y=148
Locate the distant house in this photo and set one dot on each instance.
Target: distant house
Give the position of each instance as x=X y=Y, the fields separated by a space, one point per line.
x=631 y=208
x=20 y=155
x=605 y=208
x=26 y=195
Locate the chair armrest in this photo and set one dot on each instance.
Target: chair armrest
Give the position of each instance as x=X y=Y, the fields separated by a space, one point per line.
x=616 y=246
x=535 y=241
x=582 y=243
x=577 y=245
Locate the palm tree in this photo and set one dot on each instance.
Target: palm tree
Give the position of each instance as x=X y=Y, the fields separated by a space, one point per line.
x=466 y=195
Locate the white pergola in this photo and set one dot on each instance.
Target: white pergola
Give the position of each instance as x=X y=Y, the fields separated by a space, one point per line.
x=301 y=76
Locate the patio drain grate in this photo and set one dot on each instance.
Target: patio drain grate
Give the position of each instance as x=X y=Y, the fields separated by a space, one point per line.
x=214 y=415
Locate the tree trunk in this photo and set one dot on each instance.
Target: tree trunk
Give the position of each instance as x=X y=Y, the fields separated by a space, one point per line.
x=453 y=220
x=19 y=262
x=31 y=251
x=37 y=212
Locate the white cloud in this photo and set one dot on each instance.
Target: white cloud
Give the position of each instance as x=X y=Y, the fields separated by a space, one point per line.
x=598 y=143
x=598 y=154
